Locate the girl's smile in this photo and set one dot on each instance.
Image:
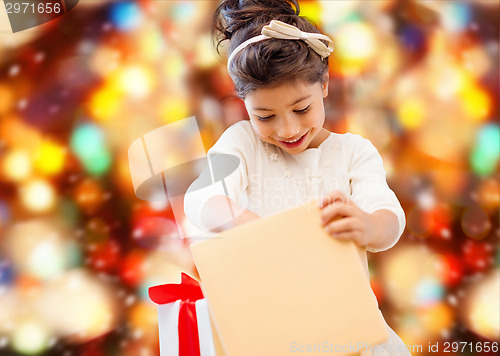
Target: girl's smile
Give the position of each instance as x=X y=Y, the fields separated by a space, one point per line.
x=295 y=143
x=290 y=116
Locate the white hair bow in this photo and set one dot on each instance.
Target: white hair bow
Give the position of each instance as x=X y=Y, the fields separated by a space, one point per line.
x=282 y=30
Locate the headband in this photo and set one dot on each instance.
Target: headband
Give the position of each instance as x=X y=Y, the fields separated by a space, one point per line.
x=281 y=30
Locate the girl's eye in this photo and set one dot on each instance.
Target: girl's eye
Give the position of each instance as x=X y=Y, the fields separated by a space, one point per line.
x=264 y=118
x=303 y=111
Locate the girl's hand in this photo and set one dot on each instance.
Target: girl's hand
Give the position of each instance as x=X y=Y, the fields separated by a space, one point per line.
x=343 y=220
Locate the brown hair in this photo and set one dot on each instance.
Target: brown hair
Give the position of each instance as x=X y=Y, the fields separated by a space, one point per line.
x=270 y=62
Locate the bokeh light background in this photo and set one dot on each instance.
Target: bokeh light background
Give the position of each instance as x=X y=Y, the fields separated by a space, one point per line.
x=78 y=249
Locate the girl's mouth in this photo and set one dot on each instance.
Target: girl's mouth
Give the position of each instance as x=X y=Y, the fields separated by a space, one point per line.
x=295 y=143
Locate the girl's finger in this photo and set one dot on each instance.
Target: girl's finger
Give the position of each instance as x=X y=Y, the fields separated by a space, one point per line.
x=335 y=196
x=345 y=236
x=344 y=225
x=330 y=212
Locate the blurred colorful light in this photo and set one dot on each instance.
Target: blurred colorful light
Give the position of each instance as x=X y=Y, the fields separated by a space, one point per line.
x=6 y=272
x=436 y=318
x=68 y=211
x=136 y=81
x=30 y=337
x=78 y=306
x=183 y=12
x=99 y=164
x=455 y=16
x=89 y=196
x=104 y=256
x=88 y=143
x=485 y=155
x=475 y=222
x=125 y=15
x=476 y=102
x=334 y=13
x=105 y=103
x=87 y=140
x=412 y=276
x=156 y=233
x=6 y=98
x=481 y=311
x=152 y=44
x=442 y=98
x=173 y=109
x=16 y=133
x=411 y=113
x=489 y=193
x=144 y=319
x=39 y=248
x=355 y=46
x=4 y=213
x=9 y=310
x=477 y=255
x=17 y=165
x=46 y=259
x=132 y=268
x=412 y=331
x=105 y=60
x=205 y=55
x=428 y=292
x=49 y=158
x=413 y=38
x=311 y=10
x=453 y=270
x=477 y=61
x=173 y=66
x=38 y=195
x=446 y=82
x=418 y=221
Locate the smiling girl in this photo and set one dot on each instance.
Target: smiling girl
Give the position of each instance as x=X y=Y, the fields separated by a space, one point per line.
x=278 y=62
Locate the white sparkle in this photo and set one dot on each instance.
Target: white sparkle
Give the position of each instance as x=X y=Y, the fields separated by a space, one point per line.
x=446 y=233
x=452 y=299
x=21 y=104
x=54 y=109
x=138 y=333
x=130 y=300
x=426 y=200
x=3 y=342
x=14 y=70
x=40 y=56
x=106 y=26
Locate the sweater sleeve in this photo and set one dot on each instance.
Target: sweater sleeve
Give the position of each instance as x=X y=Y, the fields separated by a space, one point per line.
x=225 y=173
x=369 y=189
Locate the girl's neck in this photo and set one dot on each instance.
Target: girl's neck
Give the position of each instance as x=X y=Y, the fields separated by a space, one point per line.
x=319 y=138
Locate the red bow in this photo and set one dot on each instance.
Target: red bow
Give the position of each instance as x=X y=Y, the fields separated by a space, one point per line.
x=188 y=289
x=188 y=292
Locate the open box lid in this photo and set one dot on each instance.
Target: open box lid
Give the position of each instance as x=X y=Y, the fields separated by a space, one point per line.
x=281 y=281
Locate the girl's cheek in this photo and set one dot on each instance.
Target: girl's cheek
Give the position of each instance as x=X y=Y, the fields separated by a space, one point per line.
x=260 y=128
x=318 y=118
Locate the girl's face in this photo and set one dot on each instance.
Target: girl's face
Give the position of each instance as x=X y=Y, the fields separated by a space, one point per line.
x=290 y=115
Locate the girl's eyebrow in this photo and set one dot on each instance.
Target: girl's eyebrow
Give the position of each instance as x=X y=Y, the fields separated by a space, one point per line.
x=295 y=102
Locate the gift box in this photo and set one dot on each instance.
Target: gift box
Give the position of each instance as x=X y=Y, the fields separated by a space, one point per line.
x=184 y=323
x=280 y=285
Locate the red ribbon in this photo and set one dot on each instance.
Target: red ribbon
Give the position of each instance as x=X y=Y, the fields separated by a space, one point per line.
x=188 y=292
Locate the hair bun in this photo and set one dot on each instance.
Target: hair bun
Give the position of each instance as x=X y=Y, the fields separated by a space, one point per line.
x=233 y=15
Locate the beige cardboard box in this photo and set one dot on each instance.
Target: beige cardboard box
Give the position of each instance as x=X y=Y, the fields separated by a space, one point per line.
x=281 y=285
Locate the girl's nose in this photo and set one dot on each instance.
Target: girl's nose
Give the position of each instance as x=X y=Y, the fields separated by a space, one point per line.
x=288 y=127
